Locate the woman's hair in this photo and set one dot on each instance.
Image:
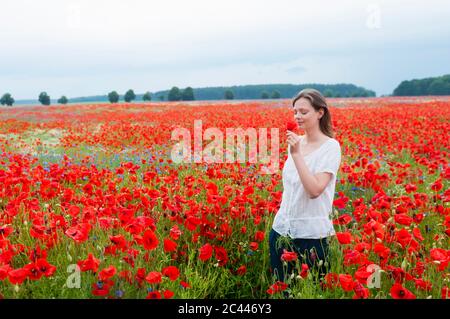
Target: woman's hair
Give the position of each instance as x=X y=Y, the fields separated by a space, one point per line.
x=317 y=101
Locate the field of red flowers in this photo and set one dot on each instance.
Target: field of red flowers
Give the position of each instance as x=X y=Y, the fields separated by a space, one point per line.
x=92 y=206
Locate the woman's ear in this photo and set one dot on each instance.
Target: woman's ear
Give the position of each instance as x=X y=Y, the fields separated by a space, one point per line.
x=321 y=111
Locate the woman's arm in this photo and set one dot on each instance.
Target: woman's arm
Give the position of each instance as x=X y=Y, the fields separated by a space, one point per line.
x=313 y=184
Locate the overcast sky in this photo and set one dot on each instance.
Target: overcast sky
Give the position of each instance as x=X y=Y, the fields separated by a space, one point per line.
x=80 y=48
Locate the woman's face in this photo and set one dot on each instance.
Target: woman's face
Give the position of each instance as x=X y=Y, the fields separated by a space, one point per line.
x=305 y=114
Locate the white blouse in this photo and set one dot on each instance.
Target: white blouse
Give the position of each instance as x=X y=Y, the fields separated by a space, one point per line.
x=299 y=215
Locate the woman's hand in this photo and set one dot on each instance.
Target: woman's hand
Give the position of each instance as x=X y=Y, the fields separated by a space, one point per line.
x=294 y=143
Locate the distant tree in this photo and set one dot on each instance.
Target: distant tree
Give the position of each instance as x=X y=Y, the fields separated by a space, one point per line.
x=264 y=95
x=337 y=94
x=7 y=99
x=439 y=87
x=174 y=94
x=404 y=89
x=276 y=94
x=113 y=97
x=188 y=94
x=44 y=98
x=63 y=100
x=421 y=86
x=129 y=96
x=328 y=93
x=229 y=95
x=147 y=96
x=161 y=97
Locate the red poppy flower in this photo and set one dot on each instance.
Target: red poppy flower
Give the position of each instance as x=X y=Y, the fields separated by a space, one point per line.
x=154 y=277
x=437 y=185
x=172 y=272
x=354 y=257
x=410 y=188
x=362 y=274
x=91 y=263
x=168 y=294
x=206 y=252
x=33 y=271
x=289 y=256
x=279 y=286
x=403 y=237
x=417 y=234
x=37 y=253
x=140 y=275
x=169 y=246
x=344 y=219
x=259 y=236
x=101 y=288
x=5 y=231
x=17 y=276
x=331 y=280
x=4 y=270
x=240 y=271
x=45 y=268
x=291 y=125
x=399 y=292
x=346 y=282
x=344 y=238
x=107 y=273
x=119 y=241
x=79 y=233
x=153 y=295
x=184 y=284
x=403 y=219
x=304 y=271
x=439 y=254
x=441 y=257
x=340 y=202
x=150 y=241
x=360 y=291
x=423 y=285
x=381 y=250
x=221 y=255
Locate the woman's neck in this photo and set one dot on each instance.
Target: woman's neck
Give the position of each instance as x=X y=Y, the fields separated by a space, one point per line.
x=314 y=136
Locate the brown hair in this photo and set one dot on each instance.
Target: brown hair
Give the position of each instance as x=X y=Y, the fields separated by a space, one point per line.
x=318 y=102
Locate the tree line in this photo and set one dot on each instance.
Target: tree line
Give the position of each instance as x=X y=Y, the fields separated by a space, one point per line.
x=428 y=86
x=416 y=87
x=273 y=91
x=242 y=92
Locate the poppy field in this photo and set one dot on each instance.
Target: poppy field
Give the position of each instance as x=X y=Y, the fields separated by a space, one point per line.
x=92 y=205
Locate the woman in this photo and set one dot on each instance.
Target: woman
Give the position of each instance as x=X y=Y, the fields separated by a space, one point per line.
x=309 y=180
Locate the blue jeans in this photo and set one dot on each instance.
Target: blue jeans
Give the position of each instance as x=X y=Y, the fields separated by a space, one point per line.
x=309 y=251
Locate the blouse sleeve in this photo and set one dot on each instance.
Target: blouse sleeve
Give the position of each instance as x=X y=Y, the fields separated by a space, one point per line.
x=330 y=161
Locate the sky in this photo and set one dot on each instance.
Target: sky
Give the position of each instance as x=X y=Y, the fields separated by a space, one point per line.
x=82 y=48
